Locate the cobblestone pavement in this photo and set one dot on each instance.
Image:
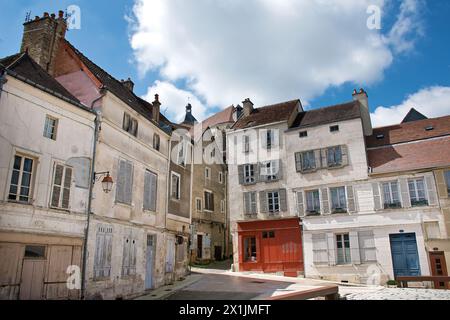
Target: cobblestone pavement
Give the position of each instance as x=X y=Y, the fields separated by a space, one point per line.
x=400 y=294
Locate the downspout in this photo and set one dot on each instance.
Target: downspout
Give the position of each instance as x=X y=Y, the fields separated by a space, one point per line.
x=3 y=80
x=91 y=190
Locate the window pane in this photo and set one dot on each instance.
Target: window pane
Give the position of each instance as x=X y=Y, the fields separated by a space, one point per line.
x=15 y=177
x=34 y=252
x=17 y=162
x=28 y=165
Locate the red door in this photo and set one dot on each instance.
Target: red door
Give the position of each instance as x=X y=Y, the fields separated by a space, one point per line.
x=439 y=268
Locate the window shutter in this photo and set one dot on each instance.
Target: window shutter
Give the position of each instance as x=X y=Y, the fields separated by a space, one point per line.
x=241 y=174
x=212 y=201
x=263 y=138
x=376 y=196
x=298 y=162
x=154 y=191
x=256 y=167
x=300 y=205
x=98 y=260
x=126 y=256
x=66 y=189
x=318 y=158
x=126 y=122
x=129 y=183
x=324 y=157
x=121 y=180
x=263 y=204
x=404 y=190
x=147 y=190
x=279 y=164
x=431 y=188
x=283 y=200
x=325 y=202
x=354 y=248
x=331 y=249
x=247 y=204
x=367 y=247
x=351 y=199
x=276 y=138
x=441 y=184
x=57 y=184
x=344 y=151
x=107 y=262
x=254 y=208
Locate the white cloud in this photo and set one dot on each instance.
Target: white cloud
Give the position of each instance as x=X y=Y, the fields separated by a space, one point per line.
x=174 y=101
x=432 y=102
x=270 y=51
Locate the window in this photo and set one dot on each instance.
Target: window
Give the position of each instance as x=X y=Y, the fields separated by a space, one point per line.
x=269 y=139
x=334 y=156
x=334 y=128
x=273 y=201
x=51 y=125
x=367 y=249
x=338 y=200
x=308 y=161
x=312 y=202
x=303 y=134
x=103 y=252
x=343 y=248
x=391 y=195
x=213 y=153
x=62 y=181
x=175 y=186
x=207 y=173
x=268 y=234
x=129 y=256
x=222 y=206
x=181 y=153
x=209 y=201
x=250 y=203
x=34 y=252
x=156 y=142
x=417 y=192
x=246 y=144
x=130 y=124
x=320 y=248
x=447 y=179
x=21 y=179
x=198 y=204
x=220 y=177
x=124 y=188
x=249 y=174
x=270 y=170
x=250 y=254
x=150 y=190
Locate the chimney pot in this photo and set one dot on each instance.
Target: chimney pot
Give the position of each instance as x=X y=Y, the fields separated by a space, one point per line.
x=247 y=106
x=53 y=16
x=156 y=107
x=45 y=14
x=37 y=18
x=61 y=14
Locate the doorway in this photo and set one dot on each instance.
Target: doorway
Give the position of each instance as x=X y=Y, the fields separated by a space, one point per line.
x=405 y=257
x=33 y=270
x=199 y=246
x=439 y=268
x=149 y=262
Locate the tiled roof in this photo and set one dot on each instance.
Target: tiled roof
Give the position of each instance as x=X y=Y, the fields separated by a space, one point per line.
x=409 y=131
x=268 y=114
x=23 y=65
x=410 y=156
x=341 y=112
x=223 y=116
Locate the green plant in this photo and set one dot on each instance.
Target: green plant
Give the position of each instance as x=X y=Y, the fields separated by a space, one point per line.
x=392 y=283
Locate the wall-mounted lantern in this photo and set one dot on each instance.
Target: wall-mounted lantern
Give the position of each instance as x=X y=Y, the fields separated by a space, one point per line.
x=107 y=182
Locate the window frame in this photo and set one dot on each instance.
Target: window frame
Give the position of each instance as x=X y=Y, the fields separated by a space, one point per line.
x=208 y=201
x=21 y=172
x=249 y=243
x=346 y=254
x=197 y=202
x=308 y=154
x=178 y=194
x=335 y=161
x=314 y=211
x=268 y=168
x=156 y=142
x=61 y=186
x=207 y=173
x=339 y=209
x=251 y=178
x=419 y=201
x=222 y=206
x=269 y=139
x=274 y=197
x=303 y=134
x=130 y=124
x=54 y=133
x=391 y=204
x=220 y=177
x=334 y=128
x=246 y=142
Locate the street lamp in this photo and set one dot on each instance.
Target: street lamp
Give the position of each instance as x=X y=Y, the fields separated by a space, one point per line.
x=107 y=182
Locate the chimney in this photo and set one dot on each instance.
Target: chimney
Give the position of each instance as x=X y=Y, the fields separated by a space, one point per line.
x=247 y=107
x=156 y=107
x=128 y=84
x=363 y=99
x=42 y=38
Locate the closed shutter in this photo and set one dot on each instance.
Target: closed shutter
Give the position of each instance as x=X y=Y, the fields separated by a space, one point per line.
x=300 y=205
x=103 y=252
x=129 y=183
x=126 y=256
x=345 y=157
x=241 y=174
x=351 y=199
x=263 y=138
x=66 y=189
x=212 y=201
x=283 y=200
x=263 y=204
x=404 y=191
x=367 y=247
x=121 y=181
x=256 y=168
x=320 y=248
x=378 y=205
x=441 y=184
x=318 y=158
x=254 y=208
x=247 y=203
x=98 y=260
x=324 y=157
x=150 y=191
x=108 y=254
x=57 y=184
x=354 y=248
x=298 y=162
x=331 y=249
x=279 y=165
x=325 y=201
x=147 y=190
x=431 y=188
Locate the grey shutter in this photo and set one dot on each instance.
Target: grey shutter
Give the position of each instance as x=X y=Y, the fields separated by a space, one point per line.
x=241 y=174
x=129 y=182
x=404 y=191
x=247 y=203
x=150 y=191
x=254 y=208
x=283 y=200
x=126 y=256
x=441 y=184
x=354 y=248
x=263 y=138
x=263 y=204
x=108 y=254
x=298 y=161
x=325 y=202
x=57 y=184
x=345 y=157
x=147 y=190
x=212 y=201
x=66 y=188
x=256 y=168
x=324 y=156
x=378 y=205
x=154 y=191
x=280 y=170
x=121 y=181
x=98 y=260
x=351 y=199
x=431 y=188
x=300 y=205
x=331 y=249
x=318 y=158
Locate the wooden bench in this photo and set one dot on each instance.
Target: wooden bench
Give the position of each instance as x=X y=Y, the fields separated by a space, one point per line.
x=403 y=281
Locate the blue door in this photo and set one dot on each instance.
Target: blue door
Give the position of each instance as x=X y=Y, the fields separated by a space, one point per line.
x=405 y=256
x=149 y=262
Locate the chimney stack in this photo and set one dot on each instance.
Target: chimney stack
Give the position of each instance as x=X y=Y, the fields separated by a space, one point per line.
x=129 y=84
x=247 y=107
x=363 y=99
x=42 y=39
x=156 y=109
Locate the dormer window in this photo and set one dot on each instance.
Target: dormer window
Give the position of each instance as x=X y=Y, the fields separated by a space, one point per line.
x=334 y=129
x=130 y=124
x=303 y=134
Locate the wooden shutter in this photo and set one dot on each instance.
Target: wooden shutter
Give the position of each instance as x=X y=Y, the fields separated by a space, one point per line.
x=263 y=203
x=150 y=191
x=318 y=158
x=66 y=188
x=241 y=174
x=126 y=256
x=108 y=254
x=354 y=248
x=263 y=138
x=378 y=205
x=298 y=161
x=121 y=181
x=57 y=185
x=441 y=184
x=247 y=203
x=345 y=156
x=98 y=260
x=280 y=169
x=129 y=182
x=212 y=201
x=324 y=157
x=300 y=205
x=331 y=249
x=351 y=203
x=283 y=200
x=256 y=168
x=325 y=201
x=404 y=191
x=431 y=188
x=254 y=208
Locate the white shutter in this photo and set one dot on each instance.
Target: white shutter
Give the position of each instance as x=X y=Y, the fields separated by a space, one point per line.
x=283 y=200
x=404 y=191
x=247 y=203
x=351 y=199
x=121 y=181
x=320 y=248
x=354 y=248
x=367 y=247
x=431 y=188
x=331 y=249
x=325 y=201
x=263 y=203
x=378 y=205
x=300 y=205
x=345 y=156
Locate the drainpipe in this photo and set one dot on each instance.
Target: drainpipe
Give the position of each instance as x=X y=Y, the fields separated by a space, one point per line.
x=3 y=80
x=91 y=189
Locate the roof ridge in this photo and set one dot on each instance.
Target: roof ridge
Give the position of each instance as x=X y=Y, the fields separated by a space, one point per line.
x=277 y=104
x=18 y=55
x=411 y=123
x=333 y=106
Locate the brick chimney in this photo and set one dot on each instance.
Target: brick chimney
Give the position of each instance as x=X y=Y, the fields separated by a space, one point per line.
x=42 y=37
x=363 y=99
x=247 y=107
x=129 y=84
x=156 y=108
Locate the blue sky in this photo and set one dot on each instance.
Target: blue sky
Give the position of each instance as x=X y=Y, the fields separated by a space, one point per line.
x=106 y=38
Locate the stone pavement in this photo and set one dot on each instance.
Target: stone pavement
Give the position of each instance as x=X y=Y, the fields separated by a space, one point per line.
x=401 y=294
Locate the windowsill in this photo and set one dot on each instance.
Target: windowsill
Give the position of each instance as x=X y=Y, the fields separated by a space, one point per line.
x=149 y=211
x=420 y=204
x=22 y=203
x=128 y=205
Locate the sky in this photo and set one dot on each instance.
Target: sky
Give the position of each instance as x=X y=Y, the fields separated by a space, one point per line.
x=213 y=54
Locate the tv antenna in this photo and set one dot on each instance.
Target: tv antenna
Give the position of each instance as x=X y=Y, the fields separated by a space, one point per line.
x=28 y=16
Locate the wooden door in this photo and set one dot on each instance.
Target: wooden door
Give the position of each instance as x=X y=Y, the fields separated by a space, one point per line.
x=439 y=268
x=149 y=262
x=32 y=282
x=405 y=256
x=199 y=246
